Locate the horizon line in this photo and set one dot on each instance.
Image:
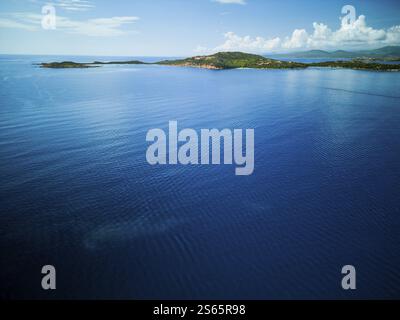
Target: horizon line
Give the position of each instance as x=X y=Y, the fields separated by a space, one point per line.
x=193 y=55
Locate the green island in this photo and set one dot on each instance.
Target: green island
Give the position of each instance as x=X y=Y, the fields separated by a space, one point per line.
x=79 y=65
x=236 y=60
x=66 y=65
x=233 y=60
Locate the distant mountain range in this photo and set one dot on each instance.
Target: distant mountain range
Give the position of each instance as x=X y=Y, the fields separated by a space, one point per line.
x=385 y=53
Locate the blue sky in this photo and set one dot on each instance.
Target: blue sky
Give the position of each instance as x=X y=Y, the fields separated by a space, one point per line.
x=188 y=27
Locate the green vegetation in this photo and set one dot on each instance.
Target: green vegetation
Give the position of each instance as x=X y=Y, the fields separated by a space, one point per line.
x=66 y=65
x=357 y=65
x=388 y=59
x=235 y=60
x=77 y=65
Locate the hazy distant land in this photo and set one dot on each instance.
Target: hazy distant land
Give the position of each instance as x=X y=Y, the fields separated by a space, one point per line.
x=388 y=53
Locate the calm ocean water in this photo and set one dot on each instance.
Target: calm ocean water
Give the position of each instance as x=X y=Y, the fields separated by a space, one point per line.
x=76 y=190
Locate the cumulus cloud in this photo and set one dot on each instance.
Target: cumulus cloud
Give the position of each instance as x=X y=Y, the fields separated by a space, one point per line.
x=234 y=42
x=353 y=35
x=100 y=27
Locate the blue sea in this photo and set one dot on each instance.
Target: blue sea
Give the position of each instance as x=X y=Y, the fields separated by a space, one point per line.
x=77 y=192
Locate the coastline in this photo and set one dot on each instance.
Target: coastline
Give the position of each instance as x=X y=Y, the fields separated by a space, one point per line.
x=233 y=60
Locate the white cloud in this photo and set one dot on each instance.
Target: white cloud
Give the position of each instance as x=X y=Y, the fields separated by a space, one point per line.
x=299 y=39
x=234 y=42
x=393 y=35
x=74 y=5
x=7 y=23
x=357 y=35
x=242 y=2
x=69 y=5
x=100 y=27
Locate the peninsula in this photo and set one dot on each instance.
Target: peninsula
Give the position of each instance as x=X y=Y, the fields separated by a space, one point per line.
x=236 y=60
